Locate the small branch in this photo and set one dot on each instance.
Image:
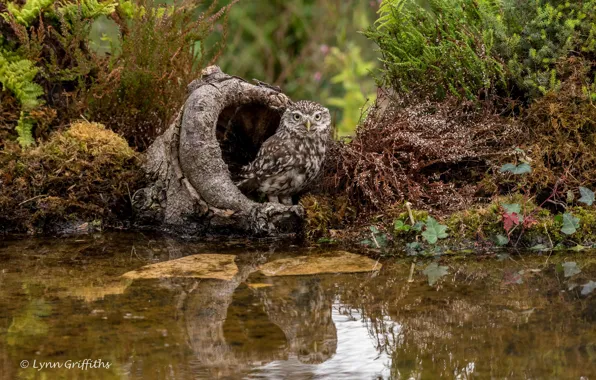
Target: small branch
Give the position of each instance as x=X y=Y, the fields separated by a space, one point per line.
x=34 y=198
x=375 y=240
x=412 y=267
x=409 y=207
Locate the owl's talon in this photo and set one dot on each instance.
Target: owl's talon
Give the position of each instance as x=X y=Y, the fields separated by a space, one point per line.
x=273 y=198
x=287 y=200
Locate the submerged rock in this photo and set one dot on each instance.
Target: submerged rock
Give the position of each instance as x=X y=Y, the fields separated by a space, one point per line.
x=214 y=266
x=329 y=262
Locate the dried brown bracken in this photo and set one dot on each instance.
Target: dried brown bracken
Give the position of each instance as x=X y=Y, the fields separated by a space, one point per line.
x=562 y=128
x=433 y=154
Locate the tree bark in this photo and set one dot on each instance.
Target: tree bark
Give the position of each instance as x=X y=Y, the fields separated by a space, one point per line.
x=190 y=167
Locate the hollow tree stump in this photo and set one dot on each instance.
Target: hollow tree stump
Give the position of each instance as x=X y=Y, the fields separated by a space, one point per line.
x=190 y=166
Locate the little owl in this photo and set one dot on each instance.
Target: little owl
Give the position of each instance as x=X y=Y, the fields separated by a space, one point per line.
x=291 y=158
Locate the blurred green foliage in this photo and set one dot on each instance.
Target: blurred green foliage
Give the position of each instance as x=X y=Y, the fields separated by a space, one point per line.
x=470 y=47
x=124 y=63
x=312 y=49
x=436 y=46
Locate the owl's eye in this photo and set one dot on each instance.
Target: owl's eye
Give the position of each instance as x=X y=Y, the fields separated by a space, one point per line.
x=296 y=116
x=318 y=117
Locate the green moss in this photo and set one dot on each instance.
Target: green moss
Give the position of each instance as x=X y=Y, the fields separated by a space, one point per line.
x=83 y=174
x=587 y=224
x=485 y=223
x=318 y=216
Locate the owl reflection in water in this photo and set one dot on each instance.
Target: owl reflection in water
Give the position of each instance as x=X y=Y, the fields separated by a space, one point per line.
x=290 y=159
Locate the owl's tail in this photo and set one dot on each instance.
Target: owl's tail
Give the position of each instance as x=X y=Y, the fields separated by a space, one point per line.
x=246 y=180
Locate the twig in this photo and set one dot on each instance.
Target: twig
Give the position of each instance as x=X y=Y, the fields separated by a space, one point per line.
x=32 y=199
x=547 y=234
x=409 y=207
x=412 y=267
x=375 y=239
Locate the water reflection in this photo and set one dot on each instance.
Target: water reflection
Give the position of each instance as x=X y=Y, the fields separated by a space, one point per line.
x=66 y=300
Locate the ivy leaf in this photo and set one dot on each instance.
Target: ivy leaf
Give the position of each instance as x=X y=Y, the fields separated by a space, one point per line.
x=510 y=220
x=570 y=224
x=366 y=242
x=381 y=240
x=587 y=196
x=512 y=208
x=507 y=168
x=415 y=246
x=519 y=169
x=512 y=277
x=434 y=231
x=588 y=288
x=501 y=240
x=434 y=272
x=578 y=248
x=570 y=269
x=522 y=169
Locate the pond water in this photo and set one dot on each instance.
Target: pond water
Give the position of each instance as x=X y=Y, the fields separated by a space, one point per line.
x=141 y=307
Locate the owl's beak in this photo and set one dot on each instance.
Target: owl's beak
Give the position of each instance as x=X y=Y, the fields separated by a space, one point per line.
x=308 y=125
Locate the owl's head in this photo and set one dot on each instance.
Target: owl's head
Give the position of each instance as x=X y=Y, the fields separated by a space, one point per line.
x=305 y=117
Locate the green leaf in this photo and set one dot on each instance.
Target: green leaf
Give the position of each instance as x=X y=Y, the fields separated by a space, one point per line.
x=587 y=196
x=522 y=169
x=570 y=224
x=512 y=208
x=366 y=242
x=519 y=169
x=588 y=288
x=434 y=272
x=418 y=226
x=434 y=231
x=507 y=168
x=399 y=225
x=578 y=248
x=414 y=246
x=381 y=240
x=570 y=269
x=501 y=240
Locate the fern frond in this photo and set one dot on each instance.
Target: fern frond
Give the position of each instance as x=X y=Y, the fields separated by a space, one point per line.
x=24 y=129
x=89 y=9
x=29 y=12
x=16 y=75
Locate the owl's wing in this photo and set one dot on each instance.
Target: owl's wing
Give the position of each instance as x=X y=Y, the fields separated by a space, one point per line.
x=274 y=157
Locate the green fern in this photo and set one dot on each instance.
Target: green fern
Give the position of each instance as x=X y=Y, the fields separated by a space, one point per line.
x=465 y=46
x=16 y=75
x=29 y=12
x=439 y=44
x=24 y=129
x=89 y=9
